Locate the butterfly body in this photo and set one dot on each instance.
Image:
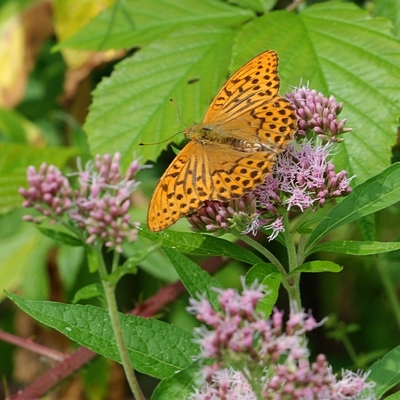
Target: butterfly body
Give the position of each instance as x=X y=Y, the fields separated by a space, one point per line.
x=211 y=135
x=233 y=150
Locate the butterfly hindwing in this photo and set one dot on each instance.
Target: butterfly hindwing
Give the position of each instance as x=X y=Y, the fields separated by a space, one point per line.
x=271 y=124
x=238 y=173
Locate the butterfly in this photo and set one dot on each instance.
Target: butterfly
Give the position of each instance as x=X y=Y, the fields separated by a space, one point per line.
x=233 y=149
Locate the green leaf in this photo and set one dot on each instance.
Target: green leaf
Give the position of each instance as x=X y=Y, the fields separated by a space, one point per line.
x=197 y=281
x=89 y=292
x=200 y=244
x=130 y=266
x=96 y=378
x=269 y=276
x=258 y=6
x=317 y=266
x=155 y=348
x=358 y=248
x=373 y=195
x=178 y=386
x=151 y=264
x=12 y=126
x=69 y=263
x=385 y=372
x=132 y=105
x=92 y=259
x=391 y=10
x=367 y=227
x=23 y=257
x=60 y=234
x=341 y=51
x=14 y=161
x=129 y=24
x=395 y=396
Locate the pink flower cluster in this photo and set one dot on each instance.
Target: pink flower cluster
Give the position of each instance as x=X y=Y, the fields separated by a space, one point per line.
x=303 y=176
x=49 y=192
x=317 y=113
x=99 y=208
x=257 y=358
x=218 y=217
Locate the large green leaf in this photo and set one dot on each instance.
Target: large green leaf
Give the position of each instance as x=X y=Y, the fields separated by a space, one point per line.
x=340 y=50
x=155 y=348
x=324 y=45
x=133 y=106
x=130 y=23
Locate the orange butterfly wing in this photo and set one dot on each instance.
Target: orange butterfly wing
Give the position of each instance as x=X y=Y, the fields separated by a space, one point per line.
x=199 y=173
x=248 y=105
x=234 y=148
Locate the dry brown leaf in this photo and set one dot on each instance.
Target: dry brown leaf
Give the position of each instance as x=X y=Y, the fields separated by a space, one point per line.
x=69 y=17
x=20 y=40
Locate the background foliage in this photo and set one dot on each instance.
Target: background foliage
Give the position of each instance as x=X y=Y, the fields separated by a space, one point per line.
x=52 y=56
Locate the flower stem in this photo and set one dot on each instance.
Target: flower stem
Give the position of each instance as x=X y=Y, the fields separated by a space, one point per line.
x=109 y=290
x=301 y=248
x=293 y=280
x=382 y=266
x=267 y=254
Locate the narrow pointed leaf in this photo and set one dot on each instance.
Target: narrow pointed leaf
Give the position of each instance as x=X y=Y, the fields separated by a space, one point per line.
x=385 y=372
x=178 y=386
x=268 y=276
x=201 y=244
x=357 y=248
x=317 y=266
x=196 y=281
x=373 y=195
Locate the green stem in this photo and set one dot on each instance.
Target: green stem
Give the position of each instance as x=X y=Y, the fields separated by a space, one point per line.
x=115 y=261
x=388 y=283
x=300 y=218
x=350 y=349
x=293 y=280
x=290 y=245
x=109 y=290
x=301 y=248
x=268 y=255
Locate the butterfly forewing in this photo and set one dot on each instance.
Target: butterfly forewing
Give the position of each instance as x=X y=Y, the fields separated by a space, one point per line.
x=253 y=84
x=182 y=189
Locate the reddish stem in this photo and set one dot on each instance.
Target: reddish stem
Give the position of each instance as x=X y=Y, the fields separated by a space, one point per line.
x=29 y=344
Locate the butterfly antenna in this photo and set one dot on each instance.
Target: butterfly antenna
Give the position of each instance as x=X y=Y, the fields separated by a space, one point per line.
x=177 y=133
x=162 y=141
x=178 y=111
